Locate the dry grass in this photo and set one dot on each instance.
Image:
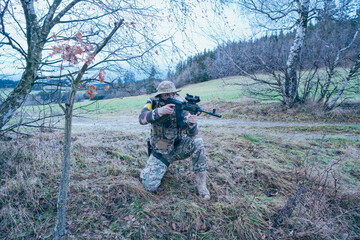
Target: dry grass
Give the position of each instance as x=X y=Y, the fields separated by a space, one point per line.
x=249 y=109
x=252 y=179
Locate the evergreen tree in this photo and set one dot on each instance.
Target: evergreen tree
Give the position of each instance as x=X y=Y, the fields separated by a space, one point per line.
x=150 y=82
x=129 y=77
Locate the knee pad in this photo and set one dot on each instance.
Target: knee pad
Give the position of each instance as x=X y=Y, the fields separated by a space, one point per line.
x=149 y=186
x=199 y=142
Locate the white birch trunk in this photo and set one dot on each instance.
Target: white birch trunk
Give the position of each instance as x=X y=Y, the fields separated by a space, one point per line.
x=333 y=66
x=291 y=81
x=351 y=74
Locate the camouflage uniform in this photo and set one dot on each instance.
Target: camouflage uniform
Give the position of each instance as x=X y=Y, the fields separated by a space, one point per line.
x=170 y=142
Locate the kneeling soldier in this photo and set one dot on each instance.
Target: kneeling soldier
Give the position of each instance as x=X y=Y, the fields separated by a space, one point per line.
x=169 y=143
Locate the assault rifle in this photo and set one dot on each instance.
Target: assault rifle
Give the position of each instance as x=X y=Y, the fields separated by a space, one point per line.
x=189 y=105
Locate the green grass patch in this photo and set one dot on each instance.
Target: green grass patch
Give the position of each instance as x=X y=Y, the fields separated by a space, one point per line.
x=221 y=89
x=337 y=142
x=251 y=138
x=210 y=90
x=317 y=129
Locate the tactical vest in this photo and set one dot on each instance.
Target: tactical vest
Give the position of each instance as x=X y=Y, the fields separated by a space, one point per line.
x=164 y=132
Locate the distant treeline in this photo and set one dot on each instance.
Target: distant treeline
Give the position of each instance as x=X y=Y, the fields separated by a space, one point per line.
x=8 y=83
x=322 y=43
x=55 y=91
x=5 y=83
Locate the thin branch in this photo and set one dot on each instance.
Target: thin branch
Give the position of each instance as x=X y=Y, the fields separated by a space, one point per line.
x=62 y=13
x=91 y=18
x=47 y=22
x=12 y=42
x=10 y=128
x=97 y=50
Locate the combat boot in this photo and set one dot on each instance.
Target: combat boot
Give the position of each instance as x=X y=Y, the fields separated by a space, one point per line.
x=200 y=179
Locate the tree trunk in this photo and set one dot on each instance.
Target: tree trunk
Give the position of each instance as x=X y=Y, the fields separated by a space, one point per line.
x=351 y=74
x=60 y=228
x=291 y=81
x=36 y=37
x=35 y=44
x=332 y=70
x=18 y=96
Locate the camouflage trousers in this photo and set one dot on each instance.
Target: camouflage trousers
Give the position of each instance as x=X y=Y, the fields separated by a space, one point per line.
x=155 y=169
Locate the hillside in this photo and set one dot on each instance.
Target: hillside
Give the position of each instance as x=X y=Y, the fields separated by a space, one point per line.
x=270 y=52
x=274 y=174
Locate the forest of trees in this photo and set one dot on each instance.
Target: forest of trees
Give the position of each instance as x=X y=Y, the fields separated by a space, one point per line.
x=293 y=64
x=4 y=83
x=223 y=60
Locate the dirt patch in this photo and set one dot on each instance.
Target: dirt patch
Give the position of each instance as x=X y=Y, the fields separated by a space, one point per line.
x=131 y=124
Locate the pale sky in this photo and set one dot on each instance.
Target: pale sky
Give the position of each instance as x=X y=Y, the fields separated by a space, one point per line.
x=204 y=30
x=207 y=32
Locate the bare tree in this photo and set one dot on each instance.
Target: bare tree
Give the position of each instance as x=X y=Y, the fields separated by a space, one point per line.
x=352 y=74
x=296 y=79
x=60 y=230
x=36 y=37
x=291 y=79
x=30 y=28
x=293 y=14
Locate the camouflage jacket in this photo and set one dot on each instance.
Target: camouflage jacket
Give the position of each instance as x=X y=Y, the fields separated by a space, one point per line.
x=164 y=131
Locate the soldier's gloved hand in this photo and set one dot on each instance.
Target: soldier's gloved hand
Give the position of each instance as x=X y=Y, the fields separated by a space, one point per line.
x=167 y=109
x=193 y=119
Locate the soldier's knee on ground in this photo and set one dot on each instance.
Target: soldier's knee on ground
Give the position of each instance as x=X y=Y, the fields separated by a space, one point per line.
x=150 y=186
x=152 y=174
x=151 y=180
x=199 y=143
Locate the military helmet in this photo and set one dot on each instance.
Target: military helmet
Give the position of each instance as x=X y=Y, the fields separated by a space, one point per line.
x=166 y=87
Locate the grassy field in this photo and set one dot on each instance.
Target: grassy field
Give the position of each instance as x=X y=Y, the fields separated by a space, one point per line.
x=212 y=93
x=263 y=186
x=254 y=180
x=230 y=100
x=7 y=91
x=211 y=90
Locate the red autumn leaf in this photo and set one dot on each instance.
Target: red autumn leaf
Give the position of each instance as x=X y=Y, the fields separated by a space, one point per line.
x=91 y=93
x=48 y=78
x=101 y=75
x=92 y=86
x=88 y=48
x=78 y=50
x=54 y=37
x=79 y=36
x=107 y=87
x=90 y=59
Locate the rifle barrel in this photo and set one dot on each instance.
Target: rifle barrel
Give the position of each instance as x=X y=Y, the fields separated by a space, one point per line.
x=210 y=113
